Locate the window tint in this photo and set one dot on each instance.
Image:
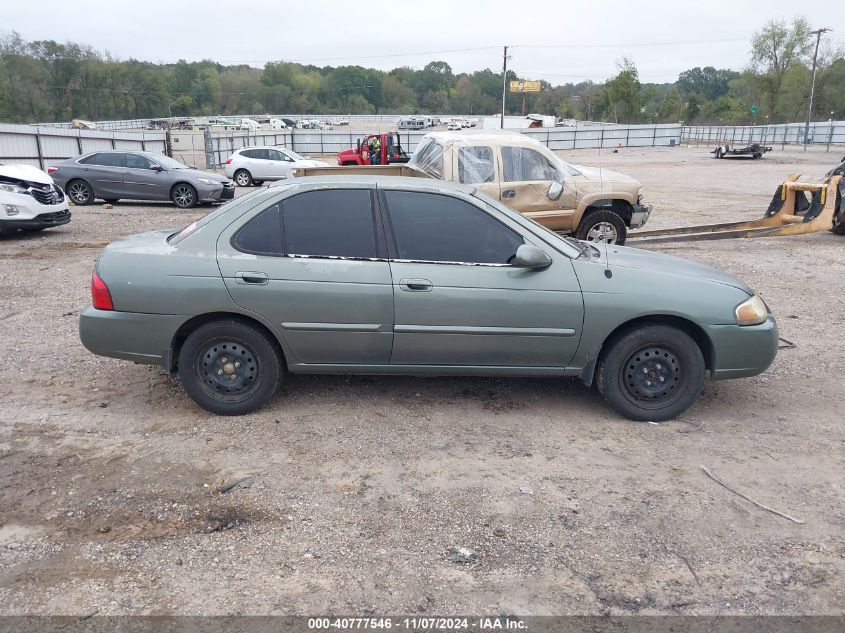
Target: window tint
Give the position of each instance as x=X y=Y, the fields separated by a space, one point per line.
x=255 y=153
x=262 y=235
x=521 y=164
x=475 y=165
x=135 y=161
x=106 y=159
x=434 y=227
x=336 y=222
x=274 y=155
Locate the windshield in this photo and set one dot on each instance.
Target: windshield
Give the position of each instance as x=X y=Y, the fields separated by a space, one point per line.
x=294 y=155
x=569 y=168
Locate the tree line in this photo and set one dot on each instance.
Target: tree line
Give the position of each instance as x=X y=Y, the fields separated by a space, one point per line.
x=50 y=81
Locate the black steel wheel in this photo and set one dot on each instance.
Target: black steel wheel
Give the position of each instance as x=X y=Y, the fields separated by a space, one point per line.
x=184 y=196
x=230 y=367
x=654 y=372
x=80 y=192
x=243 y=178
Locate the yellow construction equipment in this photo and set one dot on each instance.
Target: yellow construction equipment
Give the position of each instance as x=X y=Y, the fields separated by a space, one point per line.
x=790 y=213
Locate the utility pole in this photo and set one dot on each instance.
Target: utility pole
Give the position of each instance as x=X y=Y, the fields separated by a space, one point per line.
x=504 y=85
x=818 y=33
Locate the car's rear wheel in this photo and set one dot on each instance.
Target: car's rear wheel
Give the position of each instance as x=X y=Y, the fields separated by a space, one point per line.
x=184 y=196
x=602 y=226
x=80 y=192
x=243 y=178
x=651 y=373
x=230 y=367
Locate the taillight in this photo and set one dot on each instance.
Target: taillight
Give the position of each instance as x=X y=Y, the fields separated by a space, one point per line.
x=52 y=170
x=100 y=295
x=229 y=161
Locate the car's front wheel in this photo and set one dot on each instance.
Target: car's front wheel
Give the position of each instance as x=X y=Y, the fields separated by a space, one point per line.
x=184 y=196
x=230 y=367
x=602 y=226
x=651 y=373
x=243 y=178
x=80 y=192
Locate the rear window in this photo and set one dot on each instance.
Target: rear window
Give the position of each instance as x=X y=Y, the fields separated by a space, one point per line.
x=429 y=158
x=106 y=159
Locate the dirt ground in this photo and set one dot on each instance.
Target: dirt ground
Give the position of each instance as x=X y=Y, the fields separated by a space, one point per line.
x=362 y=487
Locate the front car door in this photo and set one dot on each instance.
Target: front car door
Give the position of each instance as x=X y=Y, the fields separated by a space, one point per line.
x=314 y=265
x=458 y=301
x=141 y=181
x=526 y=178
x=279 y=165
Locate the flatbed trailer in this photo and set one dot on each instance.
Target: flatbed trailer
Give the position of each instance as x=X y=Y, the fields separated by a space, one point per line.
x=753 y=151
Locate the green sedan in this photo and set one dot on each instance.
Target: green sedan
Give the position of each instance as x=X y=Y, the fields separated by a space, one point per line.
x=389 y=275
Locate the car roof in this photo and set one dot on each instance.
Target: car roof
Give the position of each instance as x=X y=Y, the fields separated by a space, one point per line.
x=491 y=137
x=382 y=182
x=240 y=149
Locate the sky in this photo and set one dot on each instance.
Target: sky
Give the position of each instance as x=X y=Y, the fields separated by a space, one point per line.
x=560 y=42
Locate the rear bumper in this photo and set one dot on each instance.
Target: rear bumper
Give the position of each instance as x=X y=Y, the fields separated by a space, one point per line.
x=742 y=351
x=40 y=221
x=640 y=214
x=142 y=338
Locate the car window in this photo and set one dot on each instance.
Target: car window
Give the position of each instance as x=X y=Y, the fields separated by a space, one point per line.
x=330 y=223
x=273 y=154
x=255 y=153
x=522 y=164
x=262 y=235
x=428 y=158
x=136 y=161
x=439 y=228
x=105 y=159
x=475 y=165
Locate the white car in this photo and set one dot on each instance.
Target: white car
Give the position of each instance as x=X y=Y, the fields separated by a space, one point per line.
x=278 y=124
x=250 y=124
x=30 y=200
x=254 y=165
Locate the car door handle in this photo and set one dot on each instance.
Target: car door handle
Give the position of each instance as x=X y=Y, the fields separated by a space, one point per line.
x=509 y=193
x=415 y=285
x=252 y=278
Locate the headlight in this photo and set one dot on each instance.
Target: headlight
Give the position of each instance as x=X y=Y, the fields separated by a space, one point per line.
x=12 y=188
x=752 y=311
x=209 y=181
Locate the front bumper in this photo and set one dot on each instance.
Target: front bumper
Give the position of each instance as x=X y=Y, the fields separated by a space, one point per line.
x=216 y=193
x=640 y=214
x=742 y=351
x=36 y=222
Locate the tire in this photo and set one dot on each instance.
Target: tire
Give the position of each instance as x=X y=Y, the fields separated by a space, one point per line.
x=205 y=367
x=80 y=192
x=184 y=195
x=600 y=222
x=628 y=372
x=243 y=178
x=112 y=200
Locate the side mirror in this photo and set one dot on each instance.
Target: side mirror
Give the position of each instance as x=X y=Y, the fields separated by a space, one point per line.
x=529 y=256
x=555 y=191
x=157 y=167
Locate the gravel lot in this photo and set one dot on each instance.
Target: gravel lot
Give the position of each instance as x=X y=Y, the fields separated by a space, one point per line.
x=363 y=486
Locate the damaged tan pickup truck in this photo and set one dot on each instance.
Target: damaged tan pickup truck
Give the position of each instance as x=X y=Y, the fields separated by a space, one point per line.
x=591 y=203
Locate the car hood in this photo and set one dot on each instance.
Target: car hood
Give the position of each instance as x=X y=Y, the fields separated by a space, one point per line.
x=600 y=174
x=647 y=261
x=193 y=174
x=25 y=172
x=310 y=163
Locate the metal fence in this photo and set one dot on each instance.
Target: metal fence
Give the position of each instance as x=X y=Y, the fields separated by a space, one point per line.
x=819 y=133
x=220 y=145
x=43 y=146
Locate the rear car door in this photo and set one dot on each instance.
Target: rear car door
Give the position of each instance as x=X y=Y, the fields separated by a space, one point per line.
x=458 y=302
x=141 y=181
x=256 y=162
x=104 y=172
x=526 y=178
x=315 y=266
